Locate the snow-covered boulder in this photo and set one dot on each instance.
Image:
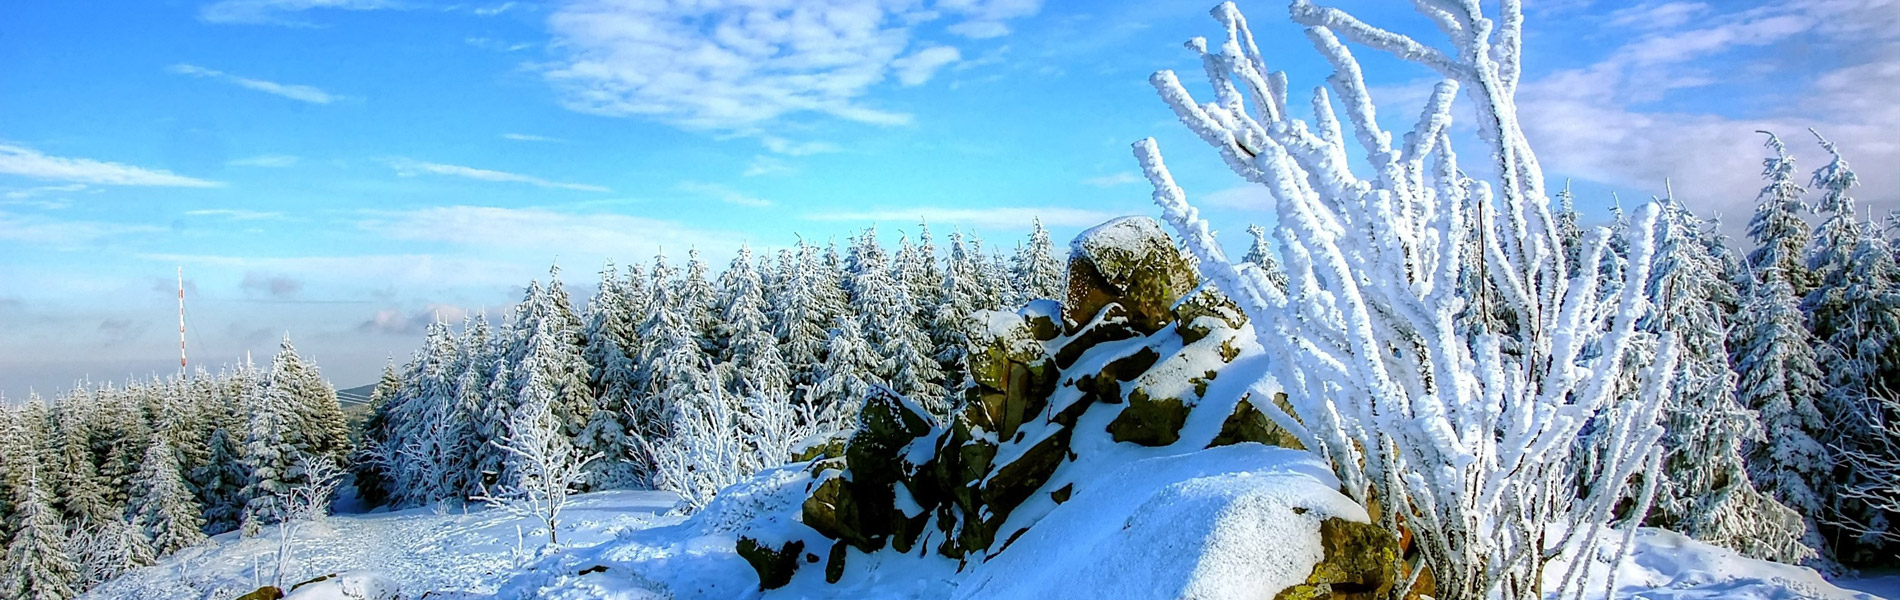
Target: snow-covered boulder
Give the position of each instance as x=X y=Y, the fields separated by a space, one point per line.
x=354 y=585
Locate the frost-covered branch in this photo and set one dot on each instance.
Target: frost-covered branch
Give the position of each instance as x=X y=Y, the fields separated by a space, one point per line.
x=1433 y=343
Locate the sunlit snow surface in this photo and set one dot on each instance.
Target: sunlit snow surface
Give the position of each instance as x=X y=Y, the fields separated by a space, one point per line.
x=474 y=556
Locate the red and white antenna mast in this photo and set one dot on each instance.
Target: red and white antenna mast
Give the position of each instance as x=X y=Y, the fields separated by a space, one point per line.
x=181 y=321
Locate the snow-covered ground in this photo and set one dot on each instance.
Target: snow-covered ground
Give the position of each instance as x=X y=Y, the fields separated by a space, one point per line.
x=476 y=556
x=417 y=549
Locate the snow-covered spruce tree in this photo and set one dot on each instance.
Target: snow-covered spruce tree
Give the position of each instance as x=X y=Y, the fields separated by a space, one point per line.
x=902 y=347
x=543 y=467
x=551 y=352
x=751 y=349
x=326 y=433
x=1705 y=491
x=1860 y=361
x=1037 y=271
x=1875 y=460
x=846 y=377
x=610 y=335
x=164 y=505
x=1394 y=376
x=1781 y=237
x=76 y=489
x=1779 y=381
x=949 y=335
x=221 y=483
x=37 y=567
x=368 y=471
x=799 y=320
x=429 y=434
x=1260 y=255
x=276 y=442
x=474 y=398
x=695 y=298
x=672 y=363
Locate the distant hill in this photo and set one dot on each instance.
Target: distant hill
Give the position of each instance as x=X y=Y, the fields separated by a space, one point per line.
x=355 y=396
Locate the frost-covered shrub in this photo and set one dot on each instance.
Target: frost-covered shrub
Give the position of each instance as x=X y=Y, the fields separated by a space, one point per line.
x=1434 y=344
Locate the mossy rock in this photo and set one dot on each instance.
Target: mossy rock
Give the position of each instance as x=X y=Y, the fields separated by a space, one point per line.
x=886 y=425
x=1249 y=424
x=1132 y=262
x=775 y=566
x=1149 y=421
x=1017 y=480
x=834 y=564
x=829 y=448
x=1358 y=564
x=1111 y=325
x=852 y=511
x=264 y=593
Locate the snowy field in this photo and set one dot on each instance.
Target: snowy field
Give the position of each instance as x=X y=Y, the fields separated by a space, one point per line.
x=476 y=556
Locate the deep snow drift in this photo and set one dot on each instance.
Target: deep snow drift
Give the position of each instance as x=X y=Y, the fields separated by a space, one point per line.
x=474 y=556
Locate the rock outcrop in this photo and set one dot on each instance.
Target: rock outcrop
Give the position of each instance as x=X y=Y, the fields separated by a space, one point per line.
x=1126 y=361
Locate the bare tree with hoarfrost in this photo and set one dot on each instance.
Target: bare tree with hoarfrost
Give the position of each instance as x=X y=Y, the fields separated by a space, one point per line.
x=1460 y=403
x=544 y=468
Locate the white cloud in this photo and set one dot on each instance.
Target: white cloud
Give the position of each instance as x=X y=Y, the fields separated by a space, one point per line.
x=1118 y=179
x=1246 y=197
x=271 y=161
x=64 y=234
x=489 y=11
x=985 y=18
x=27 y=162
x=236 y=214
x=791 y=148
x=539 y=230
x=278 y=12
x=395 y=321
x=1657 y=16
x=409 y=168
x=1603 y=122
x=723 y=194
x=922 y=64
x=1007 y=217
x=767 y=165
x=735 y=65
x=523 y=137
x=300 y=93
x=45 y=190
x=487 y=43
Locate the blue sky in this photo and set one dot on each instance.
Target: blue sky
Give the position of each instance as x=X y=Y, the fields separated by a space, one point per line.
x=343 y=170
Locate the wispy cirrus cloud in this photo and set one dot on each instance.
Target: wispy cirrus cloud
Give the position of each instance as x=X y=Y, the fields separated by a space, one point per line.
x=236 y=214
x=723 y=194
x=539 y=229
x=410 y=168
x=300 y=93
x=524 y=137
x=1010 y=218
x=65 y=234
x=27 y=162
x=734 y=66
x=280 y=12
x=46 y=190
x=269 y=161
x=1117 y=179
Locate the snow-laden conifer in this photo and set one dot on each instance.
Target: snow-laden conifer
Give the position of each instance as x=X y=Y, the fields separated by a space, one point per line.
x=1705 y=491
x=1260 y=255
x=610 y=335
x=1779 y=381
x=1781 y=238
x=37 y=567
x=846 y=377
x=1036 y=269
x=164 y=505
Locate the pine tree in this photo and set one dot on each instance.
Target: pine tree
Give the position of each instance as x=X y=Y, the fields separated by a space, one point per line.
x=276 y=441
x=1037 y=272
x=1861 y=360
x=697 y=302
x=904 y=348
x=1706 y=492
x=368 y=469
x=1780 y=236
x=799 y=321
x=1779 y=381
x=1260 y=254
x=757 y=365
x=104 y=550
x=37 y=567
x=165 y=506
x=76 y=488
x=959 y=299
x=609 y=337
x=221 y=482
